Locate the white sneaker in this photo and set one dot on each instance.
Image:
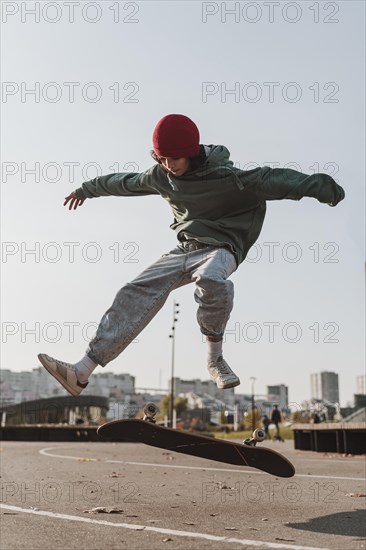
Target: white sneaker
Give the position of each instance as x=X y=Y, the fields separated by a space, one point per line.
x=64 y=373
x=222 y=374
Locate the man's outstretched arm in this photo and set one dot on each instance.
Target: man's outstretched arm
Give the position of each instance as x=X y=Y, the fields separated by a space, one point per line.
x=127 y=184
x=284 y=183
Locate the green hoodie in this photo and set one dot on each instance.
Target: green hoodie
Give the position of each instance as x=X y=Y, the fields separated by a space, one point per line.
x=218 y=203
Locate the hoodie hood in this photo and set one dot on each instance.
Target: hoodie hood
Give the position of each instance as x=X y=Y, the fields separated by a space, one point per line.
x=216 y=156
x=218 y=160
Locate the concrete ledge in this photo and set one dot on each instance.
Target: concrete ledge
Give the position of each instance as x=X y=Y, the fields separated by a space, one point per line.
x=345 y=438
x=49 y=433
x=331 y=426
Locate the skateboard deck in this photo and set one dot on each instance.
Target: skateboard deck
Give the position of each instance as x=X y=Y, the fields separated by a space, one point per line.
x=201 y=446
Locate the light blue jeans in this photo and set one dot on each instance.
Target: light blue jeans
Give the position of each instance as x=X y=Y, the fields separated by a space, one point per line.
x=139 y=301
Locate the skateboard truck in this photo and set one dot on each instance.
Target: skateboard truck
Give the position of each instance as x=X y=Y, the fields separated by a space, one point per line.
x=150 y=411
x=257 y=436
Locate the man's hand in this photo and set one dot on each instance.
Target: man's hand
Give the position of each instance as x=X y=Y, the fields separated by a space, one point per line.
x=74 y=201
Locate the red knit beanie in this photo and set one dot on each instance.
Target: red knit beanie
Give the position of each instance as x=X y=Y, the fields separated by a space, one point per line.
x=176 y=136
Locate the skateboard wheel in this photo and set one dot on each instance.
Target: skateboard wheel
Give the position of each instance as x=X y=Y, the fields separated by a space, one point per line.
x=259 y=435
x=151 y=410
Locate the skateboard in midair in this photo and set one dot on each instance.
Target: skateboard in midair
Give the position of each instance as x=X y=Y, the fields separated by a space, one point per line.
x=239 y=454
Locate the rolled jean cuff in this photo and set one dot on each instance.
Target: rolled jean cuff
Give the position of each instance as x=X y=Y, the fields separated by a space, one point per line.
x=93 y=357
x=213 y=334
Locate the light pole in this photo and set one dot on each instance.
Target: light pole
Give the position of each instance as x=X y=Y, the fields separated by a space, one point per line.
x=253 y=419
x=172 y=336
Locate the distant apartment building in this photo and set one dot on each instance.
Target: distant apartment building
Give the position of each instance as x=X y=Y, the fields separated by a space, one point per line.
x=278 y=395
x=324 y=386
x=16 y=387
x=361 y=384
x=200 y=401
x=202 y=387
x=111 y=385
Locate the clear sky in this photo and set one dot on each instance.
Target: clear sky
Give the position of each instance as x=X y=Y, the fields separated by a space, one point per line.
x=278 y=83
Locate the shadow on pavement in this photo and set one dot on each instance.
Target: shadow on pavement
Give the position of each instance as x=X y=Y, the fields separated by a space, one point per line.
x=351 y=523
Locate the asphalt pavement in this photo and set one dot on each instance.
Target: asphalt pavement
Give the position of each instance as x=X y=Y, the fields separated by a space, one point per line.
x=127 y=495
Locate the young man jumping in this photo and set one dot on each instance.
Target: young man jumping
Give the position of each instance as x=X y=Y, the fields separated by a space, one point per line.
x=218 y=212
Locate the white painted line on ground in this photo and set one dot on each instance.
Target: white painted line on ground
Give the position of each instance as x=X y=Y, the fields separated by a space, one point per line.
x=172 y=532
x=69 y=457
x=346 y=459
x=242 y=471
x=46 y=452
